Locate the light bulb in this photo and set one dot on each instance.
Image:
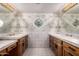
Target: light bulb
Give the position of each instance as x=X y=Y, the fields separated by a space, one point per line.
x=1 y=23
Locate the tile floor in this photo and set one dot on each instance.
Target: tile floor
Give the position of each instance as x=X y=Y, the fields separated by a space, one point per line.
x=38 y=52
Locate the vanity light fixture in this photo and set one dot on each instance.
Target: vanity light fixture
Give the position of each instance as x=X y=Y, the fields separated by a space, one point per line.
x=9 y=7
x=68 y=6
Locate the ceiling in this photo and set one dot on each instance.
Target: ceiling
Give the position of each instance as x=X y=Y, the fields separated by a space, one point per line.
x=39 y=7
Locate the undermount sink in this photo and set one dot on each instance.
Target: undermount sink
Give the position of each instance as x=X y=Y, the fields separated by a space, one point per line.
x=7 y=36
x=11 y=36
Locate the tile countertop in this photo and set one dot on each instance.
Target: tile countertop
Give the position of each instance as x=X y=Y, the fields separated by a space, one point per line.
x=6 y=43
x=71 y=40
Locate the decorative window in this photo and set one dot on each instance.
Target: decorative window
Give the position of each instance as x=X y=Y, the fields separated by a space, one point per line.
x=38 y=22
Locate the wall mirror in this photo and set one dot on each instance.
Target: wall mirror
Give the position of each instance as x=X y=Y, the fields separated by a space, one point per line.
x=70 y=20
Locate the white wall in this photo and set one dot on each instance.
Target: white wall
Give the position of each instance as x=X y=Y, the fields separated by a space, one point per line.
x=38 y=36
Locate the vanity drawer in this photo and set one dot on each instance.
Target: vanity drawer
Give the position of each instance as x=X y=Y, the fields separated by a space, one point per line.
x=11 y=47
x=3 y=51
x=22 y=40
x=66 y=53
x=71 y=48
x=58 y=41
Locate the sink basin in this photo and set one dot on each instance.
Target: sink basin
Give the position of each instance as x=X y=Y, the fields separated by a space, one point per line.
x=8 y=36
x=11 y=35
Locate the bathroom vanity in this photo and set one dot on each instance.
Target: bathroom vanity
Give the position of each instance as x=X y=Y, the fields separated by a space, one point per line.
x=63 y=45
x=13 y=47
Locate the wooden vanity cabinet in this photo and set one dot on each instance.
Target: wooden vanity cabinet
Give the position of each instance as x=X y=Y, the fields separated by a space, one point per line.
x=70 y=50
x=58 y=47
x=22 y=45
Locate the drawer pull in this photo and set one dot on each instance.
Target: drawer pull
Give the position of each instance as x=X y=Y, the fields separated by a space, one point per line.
x=12 y=47
x=56 y=46
x=72 y=48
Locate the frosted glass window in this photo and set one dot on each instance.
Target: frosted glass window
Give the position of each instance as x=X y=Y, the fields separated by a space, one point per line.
x=38 y=22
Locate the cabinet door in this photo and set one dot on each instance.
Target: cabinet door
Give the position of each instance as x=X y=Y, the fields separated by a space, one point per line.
x=26 y=42
x=60 y=50
x=51 y=41
x=50 y=44
x=19 y=49
x=66 y=53
x=21 y=46
x=56 y=49
x=71 y=49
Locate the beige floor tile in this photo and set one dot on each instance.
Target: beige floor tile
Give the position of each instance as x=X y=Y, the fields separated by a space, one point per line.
x=38 y=52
